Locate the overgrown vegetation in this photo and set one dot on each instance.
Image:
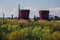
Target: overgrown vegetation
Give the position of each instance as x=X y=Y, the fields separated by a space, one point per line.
x=13 y=30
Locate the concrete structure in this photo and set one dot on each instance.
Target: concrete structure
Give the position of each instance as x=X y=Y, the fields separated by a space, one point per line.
x=44 y=14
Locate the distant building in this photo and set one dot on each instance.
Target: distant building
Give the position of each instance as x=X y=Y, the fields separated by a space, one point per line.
x=23 y=15
x=54 y=18
x=44 y=14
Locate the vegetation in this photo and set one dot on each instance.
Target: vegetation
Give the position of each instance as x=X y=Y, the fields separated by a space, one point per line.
x=14 y=30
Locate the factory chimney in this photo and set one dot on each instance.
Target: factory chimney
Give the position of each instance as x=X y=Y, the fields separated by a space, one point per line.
x=19 y=11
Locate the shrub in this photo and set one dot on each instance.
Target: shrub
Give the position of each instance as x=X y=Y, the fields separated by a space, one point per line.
x=46 y=33
x=2 y=36
x=23 y=34
x=56 y=35
x=36 y=33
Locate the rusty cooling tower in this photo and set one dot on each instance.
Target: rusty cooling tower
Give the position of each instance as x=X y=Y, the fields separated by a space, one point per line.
x=44 y=14
x=24 y=14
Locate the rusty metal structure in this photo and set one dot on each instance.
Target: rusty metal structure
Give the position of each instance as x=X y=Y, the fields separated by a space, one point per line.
x=44 y=14
x=24 y=14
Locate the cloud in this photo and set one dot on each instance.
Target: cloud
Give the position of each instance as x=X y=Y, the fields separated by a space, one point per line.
x=34 y=11
x=14 y=11
x=31 y=9
x=54 y=11
x=0 y=9
x=8 y=12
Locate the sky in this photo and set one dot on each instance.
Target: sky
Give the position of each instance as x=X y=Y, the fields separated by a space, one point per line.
x=9 y=7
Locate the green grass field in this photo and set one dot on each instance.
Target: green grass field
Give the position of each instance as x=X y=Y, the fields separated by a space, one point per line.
x=14 y=30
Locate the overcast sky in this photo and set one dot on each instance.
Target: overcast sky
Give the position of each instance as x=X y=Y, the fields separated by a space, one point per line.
x=9 y=7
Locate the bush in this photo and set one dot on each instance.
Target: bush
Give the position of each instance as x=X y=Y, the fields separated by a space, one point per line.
x=46 y=33
x=13 y=30
x=56 y=35
x=36 y=33
x=23 y=34
x=2 y=36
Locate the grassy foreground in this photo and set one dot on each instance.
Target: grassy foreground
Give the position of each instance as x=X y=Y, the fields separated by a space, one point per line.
x=14 y=30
